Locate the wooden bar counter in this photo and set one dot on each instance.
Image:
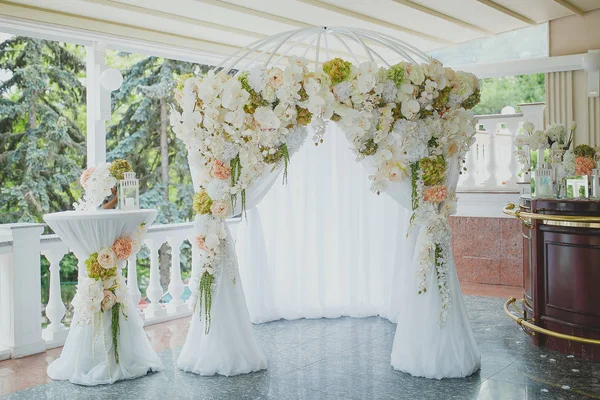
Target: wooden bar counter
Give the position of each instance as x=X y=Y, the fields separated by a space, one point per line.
x=561 y=273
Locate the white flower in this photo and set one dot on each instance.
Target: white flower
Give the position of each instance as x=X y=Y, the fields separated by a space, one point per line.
x=416 y=75
x=107 y=258
x=257 y=79
x=217 y=188
x=275 y=77
x=266 y=118
x=528 y=127
x=557 y=133
x=233 y=96
x=572 y=126
x=410 y=108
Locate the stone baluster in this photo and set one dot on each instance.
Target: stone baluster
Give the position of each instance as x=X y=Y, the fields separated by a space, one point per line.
x=132 y=280
x=471 y=157
x=56 y=332
x=154 y=290
x=195 y=263
x=176 y=286
x=490 y=154
x=513 y=165
x=20 y=295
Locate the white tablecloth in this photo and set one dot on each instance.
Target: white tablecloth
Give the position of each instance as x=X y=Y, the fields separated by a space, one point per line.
x=86 y=355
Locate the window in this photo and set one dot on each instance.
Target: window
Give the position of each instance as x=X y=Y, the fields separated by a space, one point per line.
x=530 y=42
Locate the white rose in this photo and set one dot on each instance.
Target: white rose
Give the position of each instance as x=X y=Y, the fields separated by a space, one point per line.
x=107 y=258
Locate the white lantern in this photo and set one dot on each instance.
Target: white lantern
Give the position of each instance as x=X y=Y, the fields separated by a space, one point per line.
x=129 y=192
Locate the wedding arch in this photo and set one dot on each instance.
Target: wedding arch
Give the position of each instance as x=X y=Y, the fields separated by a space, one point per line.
x=408 y=123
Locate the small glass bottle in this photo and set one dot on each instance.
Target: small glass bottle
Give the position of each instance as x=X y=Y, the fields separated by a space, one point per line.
x=544 y=187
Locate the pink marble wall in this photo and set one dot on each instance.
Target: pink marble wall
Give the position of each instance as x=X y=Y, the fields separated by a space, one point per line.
x=488 y=250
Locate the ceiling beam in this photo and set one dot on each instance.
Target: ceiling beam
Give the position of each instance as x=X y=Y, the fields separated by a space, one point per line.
x=570 y=7
x=508 y=12
x=366 y=18
x=175 y=17
x=256 y=13
x=445 y=17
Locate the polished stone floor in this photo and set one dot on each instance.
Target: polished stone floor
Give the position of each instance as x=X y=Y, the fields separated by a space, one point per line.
x=348 y=358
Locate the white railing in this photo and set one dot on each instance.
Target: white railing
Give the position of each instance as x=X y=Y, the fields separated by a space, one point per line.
x=21 y=249
x=491 y=163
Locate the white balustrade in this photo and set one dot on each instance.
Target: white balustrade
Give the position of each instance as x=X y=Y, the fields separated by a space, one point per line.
x=56 y=332
x=491 y=162
x=154 y=291
x=132 y=280
x=176 y=287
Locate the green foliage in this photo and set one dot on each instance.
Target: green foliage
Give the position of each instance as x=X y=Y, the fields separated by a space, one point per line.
x=42 y=119
x=497 y=93
x=205 y=298
x=583 y=150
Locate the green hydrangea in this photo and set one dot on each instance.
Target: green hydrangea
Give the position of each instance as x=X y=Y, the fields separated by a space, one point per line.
x=433 y=170
x=95 y=270
x=338 y=70
x=396 y=74
x=119 y=167
x=202 y=202
x=583 y=150
x=303 y=116
x=472 y=100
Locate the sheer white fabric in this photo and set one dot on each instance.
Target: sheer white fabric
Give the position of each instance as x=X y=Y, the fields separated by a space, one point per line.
x=332 y=248
x=329 y=246
x=87 y=357
x=230 y=347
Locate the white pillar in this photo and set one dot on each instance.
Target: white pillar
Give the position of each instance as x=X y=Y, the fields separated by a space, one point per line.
x=96 y=104
x=132 y=280
x=176 y=286
x=491 y=166
x=195 y=263
x=154 y=290
x=55 y=333
x=20 y=294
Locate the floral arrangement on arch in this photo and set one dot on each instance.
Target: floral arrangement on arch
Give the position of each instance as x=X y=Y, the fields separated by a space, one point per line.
x=105 y=289
x=411 y=120
x=98 y=181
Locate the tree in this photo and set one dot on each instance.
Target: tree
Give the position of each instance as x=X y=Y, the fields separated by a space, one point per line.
x=496 y=93
x=42 y=145
x=142 y=134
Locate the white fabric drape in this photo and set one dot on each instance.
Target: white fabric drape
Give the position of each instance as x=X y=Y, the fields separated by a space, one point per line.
x=230 y=347
x=87 y=357
x=323 y=245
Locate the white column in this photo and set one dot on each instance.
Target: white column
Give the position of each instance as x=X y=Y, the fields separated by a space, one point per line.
x=154 y=290
x=55 y=333
x=195 y=263
x=96 y=104
x=132 y=280
x=490 y=154
x=176 y=286
x=20 y=294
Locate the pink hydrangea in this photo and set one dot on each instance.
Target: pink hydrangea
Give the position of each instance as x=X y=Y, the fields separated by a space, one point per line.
x=584 y=165
x=220 y=171
x=201 y=242
x=85 y=176
x=122 y=247
x=435 y=194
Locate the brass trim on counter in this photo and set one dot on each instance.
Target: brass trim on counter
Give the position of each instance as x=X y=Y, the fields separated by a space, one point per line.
x=578 y=221
x=525 y=324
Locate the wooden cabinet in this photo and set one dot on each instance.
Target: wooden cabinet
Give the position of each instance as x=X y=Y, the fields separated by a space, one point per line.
x=561 y=270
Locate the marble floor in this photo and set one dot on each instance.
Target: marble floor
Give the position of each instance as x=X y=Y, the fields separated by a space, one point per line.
x=344 y=358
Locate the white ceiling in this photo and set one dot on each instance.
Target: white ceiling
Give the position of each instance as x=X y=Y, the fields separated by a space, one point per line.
x=230 y=24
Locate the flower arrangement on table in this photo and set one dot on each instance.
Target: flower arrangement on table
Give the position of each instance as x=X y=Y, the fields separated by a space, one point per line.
x=411 y=120
x=105 y=290
x=98 y=183
x=557 y=138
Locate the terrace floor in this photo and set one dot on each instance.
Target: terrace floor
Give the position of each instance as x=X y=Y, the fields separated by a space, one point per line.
x=344 y=358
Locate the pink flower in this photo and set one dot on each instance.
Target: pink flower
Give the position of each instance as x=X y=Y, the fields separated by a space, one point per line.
x=220 y=170
x=584 y=165
x=122 y=247
x=219 y=208
x=201 y=242
x=85 y=176
x=435 y=194
x=109 y=300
